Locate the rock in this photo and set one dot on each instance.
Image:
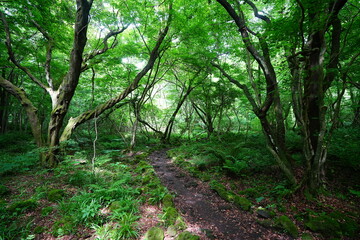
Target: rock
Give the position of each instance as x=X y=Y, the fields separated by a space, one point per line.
x=325 y=225
x=55 y=195
x=267 y=223
x=229 y=196
x=187 y=236
x=168 y=201
x=171 y=231
x=22 y=206
x=263 y=213
x=154 y=233
x=285 y=223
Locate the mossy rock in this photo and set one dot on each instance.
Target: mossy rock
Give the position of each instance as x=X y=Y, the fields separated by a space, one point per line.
x=22 y=206
x=267 y=223
x=170 y=216
x=180 y=224
x=55 y=195
x=46 y=211
x=229 y=196
x=39 y=230
x=325 y=225
x=306 y=236
x=168 y=201
x=64 y=226
x=187 y=236
x=4 y=190
x=285 y=223
x=154 y=233
x=242 y=202
x=171 y=231
x=221 y=190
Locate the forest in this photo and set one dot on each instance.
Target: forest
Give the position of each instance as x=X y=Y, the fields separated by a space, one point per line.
x=184 y=120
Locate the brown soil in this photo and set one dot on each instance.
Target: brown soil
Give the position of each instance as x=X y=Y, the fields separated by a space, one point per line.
x=207 y=213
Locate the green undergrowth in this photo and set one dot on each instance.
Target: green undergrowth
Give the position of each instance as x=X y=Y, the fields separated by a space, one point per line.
x=79 y=198
x=240 y=169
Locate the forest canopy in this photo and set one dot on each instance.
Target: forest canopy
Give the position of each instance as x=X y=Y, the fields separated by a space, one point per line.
x=285 y=73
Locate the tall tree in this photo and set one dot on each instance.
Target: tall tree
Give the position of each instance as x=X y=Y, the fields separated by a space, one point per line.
x=313 y=70
x=62 y=91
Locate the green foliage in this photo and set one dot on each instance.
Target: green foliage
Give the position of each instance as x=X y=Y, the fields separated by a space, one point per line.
x=46 y=211
x=344 y=148
x=65 y=225
x=4 y=190
x=55 y=195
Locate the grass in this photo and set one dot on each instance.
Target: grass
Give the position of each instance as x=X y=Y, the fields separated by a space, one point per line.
x=73 y=200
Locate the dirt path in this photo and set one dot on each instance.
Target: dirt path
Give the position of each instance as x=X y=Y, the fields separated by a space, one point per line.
x=208 y=214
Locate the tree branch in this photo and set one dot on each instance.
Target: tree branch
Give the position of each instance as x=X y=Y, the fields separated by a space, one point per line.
x=12 y=55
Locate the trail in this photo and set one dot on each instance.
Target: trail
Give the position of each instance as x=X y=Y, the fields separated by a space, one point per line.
x=210 y=215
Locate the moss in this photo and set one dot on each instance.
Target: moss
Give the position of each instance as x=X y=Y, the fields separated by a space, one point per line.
x=267 y=223
x=335 y=224
x=286 y=224
x=243 y=203
x=154 y=233
x=64 y=226
x=46 y=211
x=22 y=206
x=170 y=216
x=171 y=231
x=348 y=226
x=229 y=196
x=325 y=225
x=4 y=190
x=55 y=195
x=187 y=236
x=168 y=201
x=306 y=236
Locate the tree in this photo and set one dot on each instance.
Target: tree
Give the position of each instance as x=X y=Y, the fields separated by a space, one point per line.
x=313 y=70
x=61 y=92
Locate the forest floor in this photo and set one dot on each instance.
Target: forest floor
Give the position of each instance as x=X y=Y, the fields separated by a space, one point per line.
x=209 y=215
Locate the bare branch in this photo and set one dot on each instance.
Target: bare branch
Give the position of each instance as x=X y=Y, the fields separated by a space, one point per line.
x=256 y=12
x=106 y=47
